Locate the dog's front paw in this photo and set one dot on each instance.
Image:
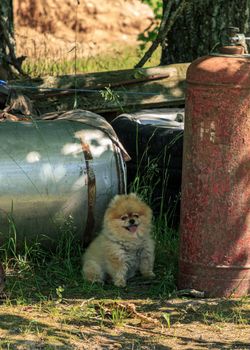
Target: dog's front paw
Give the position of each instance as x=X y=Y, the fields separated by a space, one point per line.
x=120 y=282
x=148 y=274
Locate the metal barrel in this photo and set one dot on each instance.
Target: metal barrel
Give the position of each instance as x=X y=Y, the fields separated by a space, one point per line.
x=52 y=171
x=215 y=207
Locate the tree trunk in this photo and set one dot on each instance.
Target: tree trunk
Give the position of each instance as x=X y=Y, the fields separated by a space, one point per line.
x=10 y=65
x=197 y=31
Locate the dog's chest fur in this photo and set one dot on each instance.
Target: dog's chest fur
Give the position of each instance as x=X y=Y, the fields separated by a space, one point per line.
x=133 y=259
x=132 y=256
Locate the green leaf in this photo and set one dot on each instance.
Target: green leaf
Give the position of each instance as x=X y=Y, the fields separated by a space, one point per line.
x=139 y=74
x=166 y=317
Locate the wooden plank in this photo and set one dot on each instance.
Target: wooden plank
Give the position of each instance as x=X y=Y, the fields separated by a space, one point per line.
x=113 y=91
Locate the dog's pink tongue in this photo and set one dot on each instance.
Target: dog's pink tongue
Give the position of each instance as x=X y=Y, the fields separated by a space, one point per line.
x=133 y=228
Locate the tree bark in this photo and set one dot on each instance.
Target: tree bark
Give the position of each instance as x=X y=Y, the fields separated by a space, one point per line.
x=10 y=65
x=168 y=19
x=197 y=31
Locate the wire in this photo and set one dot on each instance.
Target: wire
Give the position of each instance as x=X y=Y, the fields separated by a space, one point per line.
x=25 y=87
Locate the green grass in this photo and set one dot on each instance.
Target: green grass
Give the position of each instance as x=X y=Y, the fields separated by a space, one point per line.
x=36 y=274
x=220 y=312
x=115 y=59
x=47 y=279
x=46 y=298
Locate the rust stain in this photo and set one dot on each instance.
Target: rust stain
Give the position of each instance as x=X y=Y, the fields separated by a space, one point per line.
x=215 y=207
x=90 y=223
x=120 y=172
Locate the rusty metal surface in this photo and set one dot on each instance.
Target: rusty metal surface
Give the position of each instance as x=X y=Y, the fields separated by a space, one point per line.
x=52 y=170
x=232 y=50
x=121 y=171
x=90 y=222
x=215 y=211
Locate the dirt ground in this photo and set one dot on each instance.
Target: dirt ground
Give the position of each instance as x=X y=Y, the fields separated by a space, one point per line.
x=54 y=27
x=80 y=324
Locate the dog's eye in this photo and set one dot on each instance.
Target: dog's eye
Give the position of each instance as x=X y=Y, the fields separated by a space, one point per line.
x=135 y=215
x=124 y=217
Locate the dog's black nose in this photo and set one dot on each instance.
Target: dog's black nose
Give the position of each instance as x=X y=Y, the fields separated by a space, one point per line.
x=132 y=221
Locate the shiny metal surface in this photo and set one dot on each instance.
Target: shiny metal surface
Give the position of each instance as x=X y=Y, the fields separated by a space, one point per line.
x=168 y=117
x=52 y=170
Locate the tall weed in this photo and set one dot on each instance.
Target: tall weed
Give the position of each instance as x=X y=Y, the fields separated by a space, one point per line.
x=115 y=59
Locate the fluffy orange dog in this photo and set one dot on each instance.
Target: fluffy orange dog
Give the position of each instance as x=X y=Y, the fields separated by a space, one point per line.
x=124 y=245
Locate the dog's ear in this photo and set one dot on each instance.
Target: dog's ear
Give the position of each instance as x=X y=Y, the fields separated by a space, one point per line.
x=124 y=196
x=135 y=196
x=114 y=200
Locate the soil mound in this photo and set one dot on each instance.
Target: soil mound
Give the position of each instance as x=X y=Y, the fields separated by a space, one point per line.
x=55 y=27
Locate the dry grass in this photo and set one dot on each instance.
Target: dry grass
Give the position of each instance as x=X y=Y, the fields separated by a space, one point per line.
x=114 y=58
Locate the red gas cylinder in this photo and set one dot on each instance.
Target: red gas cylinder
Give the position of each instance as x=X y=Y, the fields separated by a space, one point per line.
x=215 y=209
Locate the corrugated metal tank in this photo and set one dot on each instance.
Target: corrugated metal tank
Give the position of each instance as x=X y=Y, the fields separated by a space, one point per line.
x=52 y=170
